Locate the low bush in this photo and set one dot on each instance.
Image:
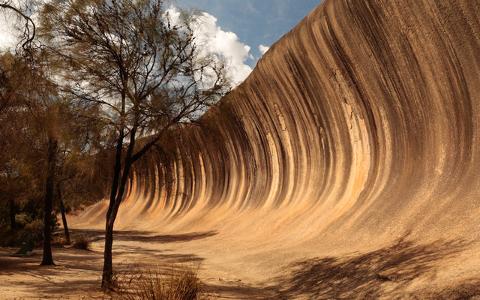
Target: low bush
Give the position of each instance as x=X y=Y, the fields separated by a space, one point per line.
x=27 y=237
x=171 y=284
x=33 y=231
x=81 y=243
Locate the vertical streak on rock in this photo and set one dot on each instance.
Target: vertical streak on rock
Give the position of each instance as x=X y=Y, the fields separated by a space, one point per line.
x=363 y=120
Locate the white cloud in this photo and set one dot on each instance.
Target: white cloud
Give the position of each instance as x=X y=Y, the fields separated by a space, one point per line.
x=212 y=39
x=8 y=32
x=263 y=49
x=12 y=24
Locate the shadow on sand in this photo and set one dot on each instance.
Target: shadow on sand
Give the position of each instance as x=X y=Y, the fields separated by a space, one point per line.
x=385 y=273
x=78 y=271
x=143 y=236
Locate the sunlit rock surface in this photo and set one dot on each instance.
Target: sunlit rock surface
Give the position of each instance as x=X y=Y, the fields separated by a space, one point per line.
x=359 y=127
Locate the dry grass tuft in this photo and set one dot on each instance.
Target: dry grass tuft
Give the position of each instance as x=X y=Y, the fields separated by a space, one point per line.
x=155 y=284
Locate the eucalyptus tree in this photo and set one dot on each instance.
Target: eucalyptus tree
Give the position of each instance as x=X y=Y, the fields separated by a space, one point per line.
x=32 y=117
x=46 y=128
x=142 y=69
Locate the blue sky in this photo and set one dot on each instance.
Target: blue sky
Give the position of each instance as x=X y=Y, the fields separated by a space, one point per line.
x=255 y=22
x=231 y=29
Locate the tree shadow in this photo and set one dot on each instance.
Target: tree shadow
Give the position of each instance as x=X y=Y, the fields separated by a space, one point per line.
x=385 y=272
x=371 y=275
x=158 y=256
x=469 y=289
x=143 y=236
x=79 y=271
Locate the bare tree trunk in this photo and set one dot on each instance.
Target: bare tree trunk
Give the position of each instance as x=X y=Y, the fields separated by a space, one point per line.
x=118 y=186
x=108 y=257
x=47 y=259
x=12 y=213
x=107 y=252
x=64 y=216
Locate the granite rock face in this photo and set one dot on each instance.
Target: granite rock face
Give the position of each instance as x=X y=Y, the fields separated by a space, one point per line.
x=362 y=124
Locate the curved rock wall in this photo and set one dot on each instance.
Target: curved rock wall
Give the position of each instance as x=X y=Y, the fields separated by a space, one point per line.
x=361 y=123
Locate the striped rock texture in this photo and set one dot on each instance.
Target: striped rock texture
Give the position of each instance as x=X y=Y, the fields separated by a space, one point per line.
x=358 y=128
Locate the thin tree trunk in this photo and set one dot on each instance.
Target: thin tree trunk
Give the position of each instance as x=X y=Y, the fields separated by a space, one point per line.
x=107 y=257
x=47 y=259
x=119 y=188
x=64 y=216
x=107 y=252
x=12 y=212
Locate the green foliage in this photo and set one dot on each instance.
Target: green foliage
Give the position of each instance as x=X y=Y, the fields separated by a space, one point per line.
x=26 y=237
x=31 y=110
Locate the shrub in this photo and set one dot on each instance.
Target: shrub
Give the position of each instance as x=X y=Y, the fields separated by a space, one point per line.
x=81 y=243
x=177 y=284
x=22 y=219
x=27 y=238
x=32 y=234
x=35 y=229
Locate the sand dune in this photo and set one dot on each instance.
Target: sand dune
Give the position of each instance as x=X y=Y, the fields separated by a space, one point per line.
x=356 y=137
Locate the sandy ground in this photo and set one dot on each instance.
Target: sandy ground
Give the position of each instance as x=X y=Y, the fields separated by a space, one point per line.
x=403 y=270
x=77 y=272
